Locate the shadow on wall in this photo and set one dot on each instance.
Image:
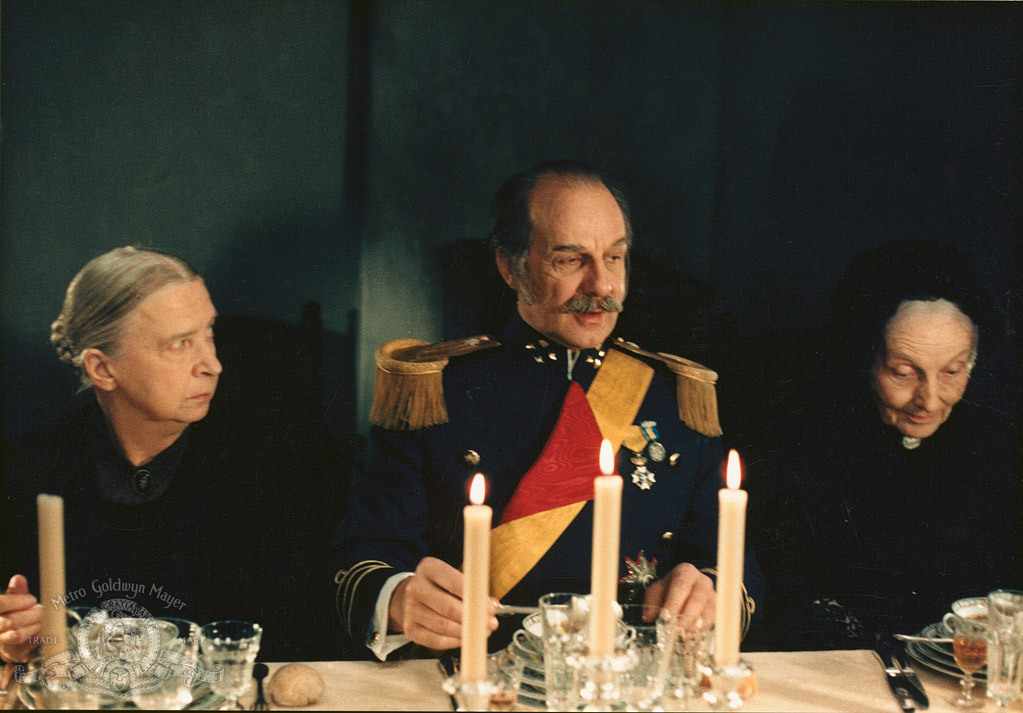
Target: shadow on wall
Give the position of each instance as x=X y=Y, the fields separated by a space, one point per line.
x=296 y=377
x=271 y=271
x=849 y=174
x=37 y=387
x=274 y=380
x=270 y=267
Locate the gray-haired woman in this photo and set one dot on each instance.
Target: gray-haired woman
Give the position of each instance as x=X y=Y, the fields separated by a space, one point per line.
x=166 y=511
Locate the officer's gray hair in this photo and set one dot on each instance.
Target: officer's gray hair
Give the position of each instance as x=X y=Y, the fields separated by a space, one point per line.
x=511 y=231
x=103 y=294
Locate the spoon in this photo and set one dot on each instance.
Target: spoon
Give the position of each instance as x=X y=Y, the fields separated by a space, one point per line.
x=506 y=609
x=907 y=637
x=259 y=672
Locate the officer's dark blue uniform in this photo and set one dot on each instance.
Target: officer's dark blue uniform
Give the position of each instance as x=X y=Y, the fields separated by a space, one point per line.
x=409 y=489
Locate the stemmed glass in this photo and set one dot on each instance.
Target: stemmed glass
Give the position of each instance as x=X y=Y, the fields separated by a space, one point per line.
x=693 y=649
x=654 y=645
x=168 y=684
x=563 y=618
x=231 y=646
x=969 y=645
x=498 y=692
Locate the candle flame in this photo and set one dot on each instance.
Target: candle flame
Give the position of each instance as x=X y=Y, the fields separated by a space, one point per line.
x=607 y=458
x=733 y=472
x=478 y=489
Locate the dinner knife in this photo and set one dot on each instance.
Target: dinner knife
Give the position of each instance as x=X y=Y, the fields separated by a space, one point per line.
x=916 y=688
x=449 y=667
x=896 y=680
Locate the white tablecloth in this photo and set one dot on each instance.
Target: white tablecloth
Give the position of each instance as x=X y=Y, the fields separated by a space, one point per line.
x=786 y=681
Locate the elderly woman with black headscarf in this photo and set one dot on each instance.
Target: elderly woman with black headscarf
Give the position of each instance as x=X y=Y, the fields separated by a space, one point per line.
x=904 y=486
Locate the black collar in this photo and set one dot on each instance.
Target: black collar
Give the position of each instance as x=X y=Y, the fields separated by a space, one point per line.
x=120 y=482
x=520 y=336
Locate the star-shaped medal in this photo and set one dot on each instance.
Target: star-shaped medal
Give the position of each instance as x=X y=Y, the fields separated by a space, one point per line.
x=641 y=571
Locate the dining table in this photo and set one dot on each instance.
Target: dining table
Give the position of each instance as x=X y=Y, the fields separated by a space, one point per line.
x=785 y=681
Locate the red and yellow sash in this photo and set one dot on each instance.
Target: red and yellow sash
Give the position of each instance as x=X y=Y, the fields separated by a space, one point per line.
x=557 y=486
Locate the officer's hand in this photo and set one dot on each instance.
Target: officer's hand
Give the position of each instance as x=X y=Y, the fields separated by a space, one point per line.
x=427 y=606
x=687 y=593
x=20 y=621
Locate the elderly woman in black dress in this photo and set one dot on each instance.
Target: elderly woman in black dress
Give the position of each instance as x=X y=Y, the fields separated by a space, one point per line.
x=170 y=509
x=900 y=478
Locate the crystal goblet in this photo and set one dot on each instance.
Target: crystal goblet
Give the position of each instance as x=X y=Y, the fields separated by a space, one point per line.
x=693 y=648
x=229 y=649
x=563 y=618
x=654 y=644
x=170 y=679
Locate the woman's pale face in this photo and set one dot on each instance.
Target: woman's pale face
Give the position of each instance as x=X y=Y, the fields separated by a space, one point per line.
x=166 y=368
x=923 y=373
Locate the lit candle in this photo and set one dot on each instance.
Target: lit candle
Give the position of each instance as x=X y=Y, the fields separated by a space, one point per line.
x=475 y=583
x=51 y=574
x=607 y=517
x=731 y=545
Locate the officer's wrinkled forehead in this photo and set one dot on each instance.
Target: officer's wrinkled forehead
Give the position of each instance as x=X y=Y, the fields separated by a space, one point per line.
x=569 y=181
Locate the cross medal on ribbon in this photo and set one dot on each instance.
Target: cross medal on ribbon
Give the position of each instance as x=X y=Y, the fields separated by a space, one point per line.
x=644 y=438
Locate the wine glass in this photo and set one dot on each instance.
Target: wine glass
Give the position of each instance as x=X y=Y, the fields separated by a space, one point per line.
x=563 y=618
x=693 y=649
x=654 y=644
x=969 y=645
x=230 y=648
x=168 y=683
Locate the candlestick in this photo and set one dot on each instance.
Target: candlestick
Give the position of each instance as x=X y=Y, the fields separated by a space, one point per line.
x=52 y=591
x=731 y=546
x=607 y=516
x=475 y=583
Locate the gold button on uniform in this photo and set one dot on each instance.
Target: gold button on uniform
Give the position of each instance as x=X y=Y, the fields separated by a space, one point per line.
x=674 y=459
x=471 y=458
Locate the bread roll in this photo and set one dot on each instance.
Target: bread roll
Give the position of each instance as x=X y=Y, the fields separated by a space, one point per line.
x=295 y=684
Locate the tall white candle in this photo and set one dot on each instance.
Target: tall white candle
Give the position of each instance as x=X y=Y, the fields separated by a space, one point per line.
x=731 y=546
x=52 y=590
x=475 y=583
x=607 y=517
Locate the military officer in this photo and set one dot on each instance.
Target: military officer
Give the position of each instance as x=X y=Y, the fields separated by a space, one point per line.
x=528 y=409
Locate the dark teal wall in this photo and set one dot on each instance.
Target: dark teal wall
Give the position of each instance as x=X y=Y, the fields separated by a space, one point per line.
x=762 y=145
x=212 y=130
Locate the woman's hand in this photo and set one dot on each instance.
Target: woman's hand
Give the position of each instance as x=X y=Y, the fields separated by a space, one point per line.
x=21 y=619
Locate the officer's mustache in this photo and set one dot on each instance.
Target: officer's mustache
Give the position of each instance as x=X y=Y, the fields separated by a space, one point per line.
x=588 y=303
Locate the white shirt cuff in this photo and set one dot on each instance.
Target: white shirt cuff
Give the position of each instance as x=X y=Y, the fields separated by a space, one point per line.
x=383 y=644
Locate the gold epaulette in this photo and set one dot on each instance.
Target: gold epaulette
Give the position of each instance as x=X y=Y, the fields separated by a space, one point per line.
x=409 y=394
x=694 y=385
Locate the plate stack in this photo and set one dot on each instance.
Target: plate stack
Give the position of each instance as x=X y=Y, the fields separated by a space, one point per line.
x=528 y=648
x=938 y=656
